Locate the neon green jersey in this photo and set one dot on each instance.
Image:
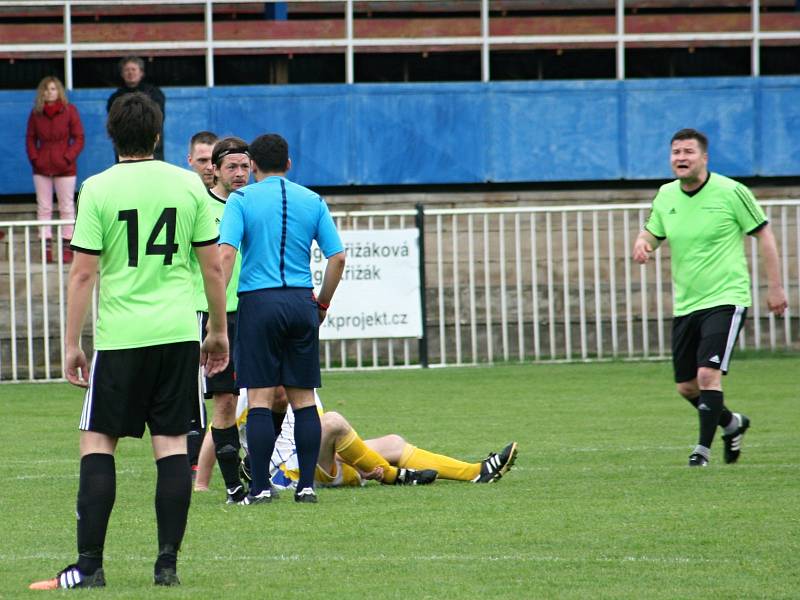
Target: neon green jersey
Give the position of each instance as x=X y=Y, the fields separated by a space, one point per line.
x=705 y=231
x=216 y=207
x=142 y=218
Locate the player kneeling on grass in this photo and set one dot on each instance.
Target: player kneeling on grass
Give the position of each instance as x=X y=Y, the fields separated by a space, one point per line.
x=347 y=460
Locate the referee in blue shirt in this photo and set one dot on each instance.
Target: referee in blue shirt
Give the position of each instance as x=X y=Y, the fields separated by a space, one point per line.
x=273 y=223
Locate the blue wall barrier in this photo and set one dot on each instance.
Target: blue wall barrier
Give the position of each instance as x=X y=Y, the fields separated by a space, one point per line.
x=388 y=134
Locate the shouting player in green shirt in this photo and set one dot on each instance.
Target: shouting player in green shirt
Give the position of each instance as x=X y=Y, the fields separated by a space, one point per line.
x=138 y=222
x=705 y=217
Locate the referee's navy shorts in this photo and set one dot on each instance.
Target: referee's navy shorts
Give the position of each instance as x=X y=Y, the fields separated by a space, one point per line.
x=277 y=339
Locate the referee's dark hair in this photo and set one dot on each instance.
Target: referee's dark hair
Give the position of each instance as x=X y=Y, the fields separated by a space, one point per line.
x=691 y=134
x=270 y=152
x=134 y=124
x=228 y=145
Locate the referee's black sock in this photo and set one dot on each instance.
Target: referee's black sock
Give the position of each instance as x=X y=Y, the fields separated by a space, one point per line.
x=173 y=495
x=709 y=408
x=260 y=444
x=307 y=433
x=96 y=493
x=724 y=417
x=226 y=447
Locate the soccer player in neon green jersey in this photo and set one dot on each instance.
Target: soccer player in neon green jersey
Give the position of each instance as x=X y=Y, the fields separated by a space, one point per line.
x=705 y=217
x=199 y=159
x=138 y=222
x=231 y=164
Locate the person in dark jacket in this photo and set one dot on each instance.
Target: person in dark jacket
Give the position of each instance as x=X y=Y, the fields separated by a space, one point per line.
x=53 y=141
x=131 y=69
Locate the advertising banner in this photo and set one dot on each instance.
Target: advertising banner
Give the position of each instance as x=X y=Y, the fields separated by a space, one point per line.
x=378 y=296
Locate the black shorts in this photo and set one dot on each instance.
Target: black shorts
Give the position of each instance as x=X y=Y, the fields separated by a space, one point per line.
x=153 y=385
x=705 y=338
x=225 y=382
x=277 y=339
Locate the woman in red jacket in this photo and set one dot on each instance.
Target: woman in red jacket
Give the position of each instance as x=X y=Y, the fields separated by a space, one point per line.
x=54 y=140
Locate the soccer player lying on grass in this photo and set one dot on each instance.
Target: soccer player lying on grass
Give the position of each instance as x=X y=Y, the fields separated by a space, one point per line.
x=347 y=460
x=342 y=450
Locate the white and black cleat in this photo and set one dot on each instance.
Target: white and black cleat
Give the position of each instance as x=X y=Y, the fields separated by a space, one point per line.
x=497 y=464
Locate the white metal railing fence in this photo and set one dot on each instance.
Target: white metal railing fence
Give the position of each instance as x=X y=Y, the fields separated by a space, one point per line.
x=33 y=302
x=558 y=283
x=502 y=284
x=350 y=43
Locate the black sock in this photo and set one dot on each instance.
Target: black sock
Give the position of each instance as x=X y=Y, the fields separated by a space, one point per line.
x=194 y=439
x=96 y=493
x=724 y=417
x=260 y=444
x=173 y=495
x=226 y=447
x=709 y=409
x=307 y=432
x=277 y=421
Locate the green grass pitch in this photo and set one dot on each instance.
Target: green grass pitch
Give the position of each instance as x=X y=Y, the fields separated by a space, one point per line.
x=600 y=503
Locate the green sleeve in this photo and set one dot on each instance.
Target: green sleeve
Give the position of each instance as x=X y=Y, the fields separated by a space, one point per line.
x=654 y=222
x=88 y=224
x=205 y=229
x=749 y=215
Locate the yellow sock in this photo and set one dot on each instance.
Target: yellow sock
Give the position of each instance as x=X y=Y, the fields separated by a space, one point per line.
x=449 y=468
x=354 y=451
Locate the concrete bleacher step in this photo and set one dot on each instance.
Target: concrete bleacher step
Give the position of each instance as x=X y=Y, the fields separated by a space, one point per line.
x=17 y=211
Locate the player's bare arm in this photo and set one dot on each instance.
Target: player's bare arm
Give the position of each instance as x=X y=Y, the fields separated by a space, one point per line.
x=646 y=243
x=227 y=256
x=776 y=295
x=82 y=276
x=215 y=350
x=330 y=281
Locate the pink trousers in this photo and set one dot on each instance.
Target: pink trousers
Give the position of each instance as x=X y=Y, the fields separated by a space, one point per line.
x=65 y=192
